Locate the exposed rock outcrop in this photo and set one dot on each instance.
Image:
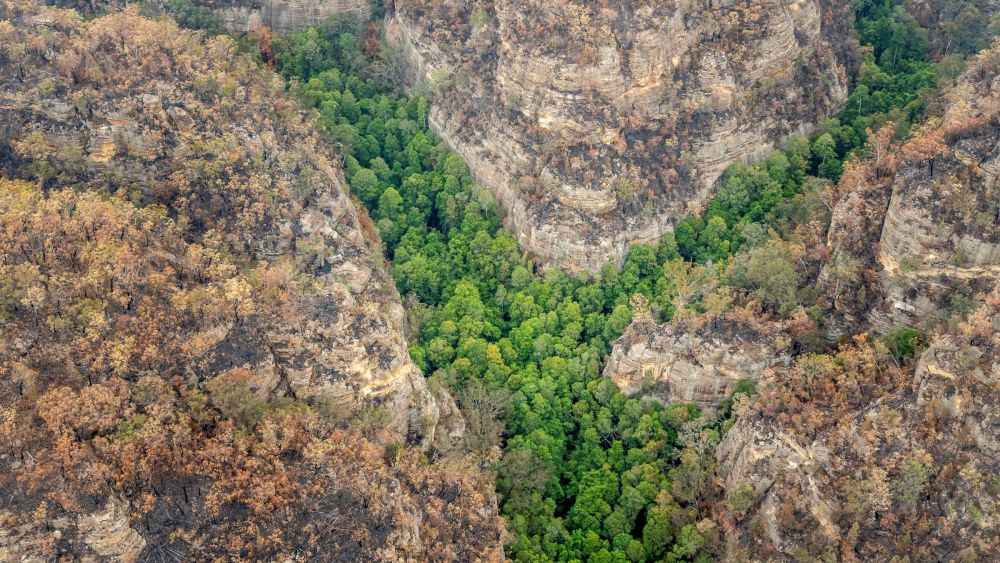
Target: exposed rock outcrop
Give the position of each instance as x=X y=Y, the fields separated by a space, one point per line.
x=595 y=126
x=239 y=16
x=103 y=535
x=866 y=456
x=110 y=535
x=754 y=457
x=210 y=137
x=284 y=16
x=855 y=458
x=693 y=361
x=192 y=310
x=933 y=209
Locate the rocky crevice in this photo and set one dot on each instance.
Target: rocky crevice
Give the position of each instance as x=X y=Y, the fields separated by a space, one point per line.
x=935 y=217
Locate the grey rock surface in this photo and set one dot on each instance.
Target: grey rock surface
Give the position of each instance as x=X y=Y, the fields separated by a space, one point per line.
x=693 y=362
x=596 y=127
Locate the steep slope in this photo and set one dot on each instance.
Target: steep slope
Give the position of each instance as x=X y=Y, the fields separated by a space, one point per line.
x=155 y=119
x=596 y=126
x=934 y=210
x=863 y=455
x=854 y=458
x=190 y=306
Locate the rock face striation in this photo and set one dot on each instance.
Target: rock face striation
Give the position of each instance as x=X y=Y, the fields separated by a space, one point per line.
x=934 y=209
x=861 y=455
x=284 y=16
x=596 y=126
x=693 y=361
x=240 y=16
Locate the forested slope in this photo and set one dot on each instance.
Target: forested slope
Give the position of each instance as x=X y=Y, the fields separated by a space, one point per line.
x=586 y=472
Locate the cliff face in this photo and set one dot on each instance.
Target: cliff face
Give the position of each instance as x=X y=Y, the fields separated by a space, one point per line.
x=210 y=141
x=693 y=361
x=284 y=16
x=239 y=16
x=858 y=459
x=596 y=126
x=934 y=212
x=191 y=309
x=858 y=455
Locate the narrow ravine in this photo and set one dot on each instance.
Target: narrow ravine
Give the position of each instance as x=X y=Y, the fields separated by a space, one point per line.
x=585 y=471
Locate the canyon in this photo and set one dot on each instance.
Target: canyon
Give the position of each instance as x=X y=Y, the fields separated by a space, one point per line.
x=204 y=351
x=914 y=239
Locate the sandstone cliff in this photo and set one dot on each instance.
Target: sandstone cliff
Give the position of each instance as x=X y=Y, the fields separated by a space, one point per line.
x=694 y=361
x=191 y=309
x=861 y=455
x=207 y=136
x=854 y=458
x=595 y=126
x=933 y=211
x=239 y=16
x=284 y=16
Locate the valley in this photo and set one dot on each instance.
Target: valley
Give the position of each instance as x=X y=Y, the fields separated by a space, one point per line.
x=499 y=280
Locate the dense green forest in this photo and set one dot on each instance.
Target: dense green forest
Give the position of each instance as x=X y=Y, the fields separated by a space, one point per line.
x=586 y=472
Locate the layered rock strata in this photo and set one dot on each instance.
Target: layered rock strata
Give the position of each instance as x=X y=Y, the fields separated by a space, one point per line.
x=285 y=16
x=240 y=16
x=933 y=209
x=693 y=361
x=595 y=127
